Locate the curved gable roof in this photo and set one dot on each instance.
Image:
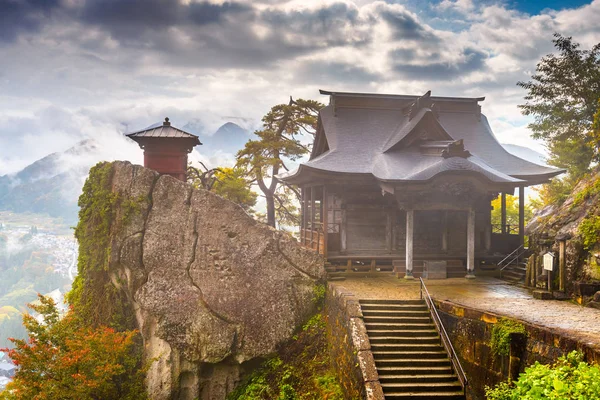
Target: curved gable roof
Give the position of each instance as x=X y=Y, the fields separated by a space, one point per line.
x=374 y=139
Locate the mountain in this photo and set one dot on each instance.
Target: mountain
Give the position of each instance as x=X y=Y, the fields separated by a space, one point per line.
x=526 y=153
x=51 y=185
x=229 y=138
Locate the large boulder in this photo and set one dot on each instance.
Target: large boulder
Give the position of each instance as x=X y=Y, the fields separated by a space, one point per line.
x=576 y=222
x=211 y=287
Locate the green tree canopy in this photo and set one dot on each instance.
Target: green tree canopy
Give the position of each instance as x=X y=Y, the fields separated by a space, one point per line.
x=230 y=183
x=563 y=97
x=512 y=212
x=278 y=141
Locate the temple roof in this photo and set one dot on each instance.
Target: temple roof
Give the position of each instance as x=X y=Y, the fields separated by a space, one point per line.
x=412 y=138
x=164 y=131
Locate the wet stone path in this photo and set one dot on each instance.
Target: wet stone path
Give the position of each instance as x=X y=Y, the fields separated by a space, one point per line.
x=490 y=295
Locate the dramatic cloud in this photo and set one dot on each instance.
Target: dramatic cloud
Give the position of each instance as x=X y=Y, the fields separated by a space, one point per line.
x=74 y=69
x=18 y=16
x=434 y=67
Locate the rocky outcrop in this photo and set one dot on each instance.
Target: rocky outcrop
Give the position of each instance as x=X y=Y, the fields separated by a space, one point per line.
x=211 y=287
x=576 y=222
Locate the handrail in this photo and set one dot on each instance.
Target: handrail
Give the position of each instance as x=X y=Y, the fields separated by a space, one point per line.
x=444 y=337
x=519 y=250
x=510 y=255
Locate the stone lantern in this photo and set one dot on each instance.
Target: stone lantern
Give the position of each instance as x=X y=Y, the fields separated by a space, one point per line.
x=166 y=148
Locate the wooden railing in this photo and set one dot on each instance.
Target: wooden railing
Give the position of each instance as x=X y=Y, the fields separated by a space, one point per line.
x=313 y=239
x=458 y=369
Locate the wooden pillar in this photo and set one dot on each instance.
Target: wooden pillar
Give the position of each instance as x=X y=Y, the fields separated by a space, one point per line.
x=389 y=226
x=325 y=218
x=304 y=217
x=444 y=231
x=312 y=217
x=343 y=229
x=409 y=244
x=503 y=213
x=470 y=243
x=562 y=271
x=521 y=215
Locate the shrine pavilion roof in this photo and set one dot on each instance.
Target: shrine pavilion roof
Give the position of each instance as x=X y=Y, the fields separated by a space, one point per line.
x=164 y=131
x=412 y=138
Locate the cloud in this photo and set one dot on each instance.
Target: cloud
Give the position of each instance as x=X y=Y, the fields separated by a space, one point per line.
x=404 y=24
x=74 y=68
x=19 y=16
x=435 y=67
x=326 y=72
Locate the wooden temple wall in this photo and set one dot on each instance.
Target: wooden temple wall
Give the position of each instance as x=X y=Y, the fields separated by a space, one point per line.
x=365 y=222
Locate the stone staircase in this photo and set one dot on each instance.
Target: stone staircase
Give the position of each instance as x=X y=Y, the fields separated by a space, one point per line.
x=514 y=273
x=410 y=360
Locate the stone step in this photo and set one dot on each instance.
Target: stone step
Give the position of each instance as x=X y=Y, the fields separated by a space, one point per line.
x=422 y=387
x=413 y=346
x=396 y=313
x=402 y=354
x=399 y=340
x=397 y=320
x=410 y=371
x=394 y=307
x=392 y=302
x=455 y=395
x=412 y=362
x=432 y=378
x=388 y=326
x=402 y=333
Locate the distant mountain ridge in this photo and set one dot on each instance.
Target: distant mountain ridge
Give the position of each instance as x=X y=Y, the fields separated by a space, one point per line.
x=52 y=184
x=229 y=138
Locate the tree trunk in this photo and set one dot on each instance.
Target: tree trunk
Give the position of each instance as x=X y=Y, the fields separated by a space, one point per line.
x=270 y=210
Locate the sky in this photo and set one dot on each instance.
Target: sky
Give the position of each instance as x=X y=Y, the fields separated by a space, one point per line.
x=74 y=69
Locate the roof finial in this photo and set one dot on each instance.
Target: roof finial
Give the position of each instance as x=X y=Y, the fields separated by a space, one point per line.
x=166 y=123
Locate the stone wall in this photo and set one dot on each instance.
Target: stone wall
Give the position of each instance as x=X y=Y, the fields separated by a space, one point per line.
x=470 y=332
x=213 y=289
x=349 y=345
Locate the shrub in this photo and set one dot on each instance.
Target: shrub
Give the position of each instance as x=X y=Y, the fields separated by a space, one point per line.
x=569 y=378
x=64 y=359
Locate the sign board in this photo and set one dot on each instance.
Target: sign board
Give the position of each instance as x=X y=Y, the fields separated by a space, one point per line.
x=548 y=261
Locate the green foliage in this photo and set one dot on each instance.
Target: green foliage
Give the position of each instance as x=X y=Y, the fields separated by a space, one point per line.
x=589 y=230
x=65 y=359
x=94 y=296
x=563 y=97
x=569 y=378
x=319 y=292
x=501 y=335
x=278 y=140
x=512 y=211
x=232 y=184
x=301 y=370
x=590 y=190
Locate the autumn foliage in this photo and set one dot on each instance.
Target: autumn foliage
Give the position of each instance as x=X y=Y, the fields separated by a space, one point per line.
x=64 y=359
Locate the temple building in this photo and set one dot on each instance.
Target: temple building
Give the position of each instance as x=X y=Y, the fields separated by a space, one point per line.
x=406 y=180
x=166 y=148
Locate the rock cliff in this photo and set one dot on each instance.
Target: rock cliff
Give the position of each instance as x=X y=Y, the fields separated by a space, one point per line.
x=211 y=288
x=577 y=223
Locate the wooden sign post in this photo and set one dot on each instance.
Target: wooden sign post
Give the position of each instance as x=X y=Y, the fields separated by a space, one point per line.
x=549 y=266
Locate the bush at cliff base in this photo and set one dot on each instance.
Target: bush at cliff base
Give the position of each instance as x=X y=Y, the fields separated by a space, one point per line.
x=569 y=378
x=65 y=359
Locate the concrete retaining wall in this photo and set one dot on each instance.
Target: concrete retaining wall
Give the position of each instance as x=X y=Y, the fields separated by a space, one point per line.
x=349 y=345
x=470 y=332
